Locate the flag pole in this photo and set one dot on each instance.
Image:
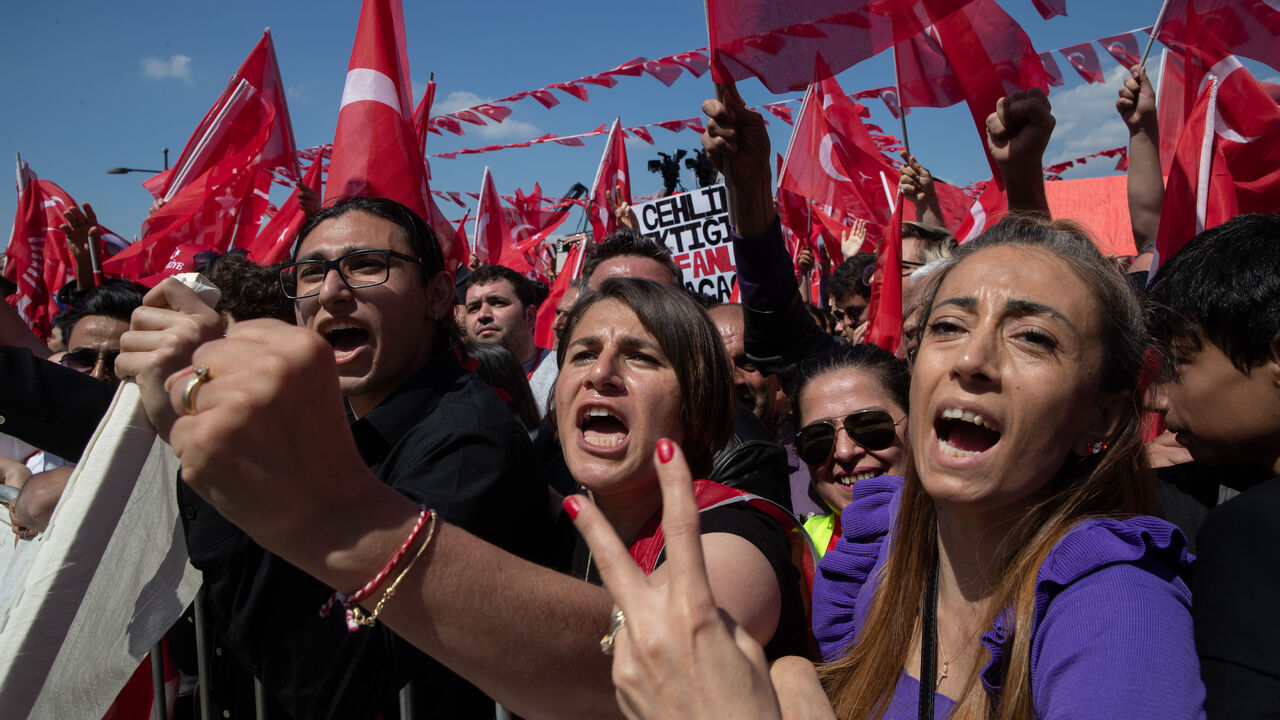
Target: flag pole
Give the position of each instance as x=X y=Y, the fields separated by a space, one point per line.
x=729 y=205
x=902 y=110
x=1155 y=32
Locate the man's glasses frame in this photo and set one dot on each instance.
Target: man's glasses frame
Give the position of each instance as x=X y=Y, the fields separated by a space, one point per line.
x=872 y=429
x=288 y=274
x=84 y=361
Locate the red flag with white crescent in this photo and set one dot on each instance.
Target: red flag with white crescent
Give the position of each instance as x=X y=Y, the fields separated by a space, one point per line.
x=612 y=184
x=276 y=238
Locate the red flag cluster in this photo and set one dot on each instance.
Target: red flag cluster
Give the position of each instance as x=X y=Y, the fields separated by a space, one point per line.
x=37 y=257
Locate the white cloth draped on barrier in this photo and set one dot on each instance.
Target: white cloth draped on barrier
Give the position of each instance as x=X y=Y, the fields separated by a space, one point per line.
x=109 y=577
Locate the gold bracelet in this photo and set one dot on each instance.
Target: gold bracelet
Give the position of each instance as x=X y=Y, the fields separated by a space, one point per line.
x=357 y=614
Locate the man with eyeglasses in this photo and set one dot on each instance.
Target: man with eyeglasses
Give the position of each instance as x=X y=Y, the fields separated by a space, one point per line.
x=368 y=277
x=92 y=329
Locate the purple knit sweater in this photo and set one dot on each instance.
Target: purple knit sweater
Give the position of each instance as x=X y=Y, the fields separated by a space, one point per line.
x=1111 y=637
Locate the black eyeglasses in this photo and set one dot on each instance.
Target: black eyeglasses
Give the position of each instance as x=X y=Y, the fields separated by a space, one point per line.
x=846 y=313
x=872 y=429
x=84 y=360
x=359 y=269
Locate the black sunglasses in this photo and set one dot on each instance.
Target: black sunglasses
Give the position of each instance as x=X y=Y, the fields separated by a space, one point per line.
x=872 y=429
x=84 y=360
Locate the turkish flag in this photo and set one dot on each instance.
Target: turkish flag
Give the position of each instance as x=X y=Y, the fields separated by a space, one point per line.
x=1221 y=27
x=612 y=184
x=37 y=259
x=530 y=222
x=491 y=234
x=1199 y=193
x=275 y=239
x=1122 y=47
x=1051 y=69
x=1085 y=61
x=992 y=205
x=223 y=208
x=778 y=42
x=884 y=324
x=833 y=161
x=543 y=331
x=989 y=57
x=1227 y=159
x=253 y=97
x=376 y=151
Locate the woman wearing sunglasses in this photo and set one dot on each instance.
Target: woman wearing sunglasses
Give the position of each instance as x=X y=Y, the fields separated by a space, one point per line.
x=851 y=406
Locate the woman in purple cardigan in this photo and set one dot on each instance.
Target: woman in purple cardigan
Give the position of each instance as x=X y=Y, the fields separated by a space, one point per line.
x=1009 y=574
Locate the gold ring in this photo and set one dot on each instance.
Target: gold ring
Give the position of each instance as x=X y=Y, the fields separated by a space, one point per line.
x=617 y=621
x=193 y=386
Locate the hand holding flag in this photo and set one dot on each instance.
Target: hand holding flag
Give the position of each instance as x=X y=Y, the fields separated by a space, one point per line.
x=736 y=133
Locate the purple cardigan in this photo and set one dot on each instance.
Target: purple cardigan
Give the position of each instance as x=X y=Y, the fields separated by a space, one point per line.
x=1112 y=634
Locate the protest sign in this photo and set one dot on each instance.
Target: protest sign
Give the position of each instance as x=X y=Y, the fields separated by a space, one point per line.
x=695 y=227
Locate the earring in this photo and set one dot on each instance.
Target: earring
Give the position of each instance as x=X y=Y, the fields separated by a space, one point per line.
x=1097 y=448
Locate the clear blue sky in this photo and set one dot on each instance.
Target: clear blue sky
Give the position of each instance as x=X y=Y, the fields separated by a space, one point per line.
x=92 y=85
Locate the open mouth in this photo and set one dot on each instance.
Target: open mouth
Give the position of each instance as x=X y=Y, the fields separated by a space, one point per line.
x=964 y=433
x=345 y=338
x=602 y=428
x=849 y=480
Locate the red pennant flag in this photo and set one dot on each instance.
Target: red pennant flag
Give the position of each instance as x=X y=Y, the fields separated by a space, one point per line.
x=884 y=324
x=833 y=162
x=37 y=259
x=1085 y=61
x=1051 y=69
x=572 y=88
x=642 y=133
x=422 y=116
x=254 y=96
x=1122 y=47
x=990 y=57
x=1173 y=104
x=603 y=80
x=694 y=62
x=543 y=332
x=491 y=232
x=612 y=184
x=545 y=97
x=665 y=70
x=633 y=68
x=461 y=230
x=1050 y=8
x=1220 y=27
x=275 y=240
x=778 y=42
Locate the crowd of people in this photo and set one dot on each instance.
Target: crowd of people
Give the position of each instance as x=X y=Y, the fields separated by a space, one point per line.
x=686 y=508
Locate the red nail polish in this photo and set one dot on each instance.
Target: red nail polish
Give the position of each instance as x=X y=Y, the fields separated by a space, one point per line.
x=571 y=506
x=665 y=451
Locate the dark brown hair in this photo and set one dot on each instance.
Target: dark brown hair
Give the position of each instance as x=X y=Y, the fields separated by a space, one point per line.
x=692 y=345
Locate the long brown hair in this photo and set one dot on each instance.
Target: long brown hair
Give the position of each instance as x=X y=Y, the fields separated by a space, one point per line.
x=1116 y=483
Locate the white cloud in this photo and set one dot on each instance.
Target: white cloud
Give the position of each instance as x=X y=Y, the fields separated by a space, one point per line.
x=1274 y=80
x=174 y=66
x=509 y=129
x=1087 y=119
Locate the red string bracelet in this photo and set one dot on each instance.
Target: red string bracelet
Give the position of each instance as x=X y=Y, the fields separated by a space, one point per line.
x=349 y=602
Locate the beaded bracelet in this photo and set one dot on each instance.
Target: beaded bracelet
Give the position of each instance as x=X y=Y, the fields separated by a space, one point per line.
x=355 y=616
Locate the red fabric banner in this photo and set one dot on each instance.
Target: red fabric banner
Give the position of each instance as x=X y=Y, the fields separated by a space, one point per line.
x=884 y=323
x=254 y=96
x=38 y=261
x=779 y=42
x=1085 y=61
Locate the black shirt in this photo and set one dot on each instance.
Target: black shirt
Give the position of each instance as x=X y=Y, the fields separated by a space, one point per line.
x=443 y=439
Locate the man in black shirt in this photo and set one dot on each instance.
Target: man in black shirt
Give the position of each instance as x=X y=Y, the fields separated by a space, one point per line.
x=369 y=278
